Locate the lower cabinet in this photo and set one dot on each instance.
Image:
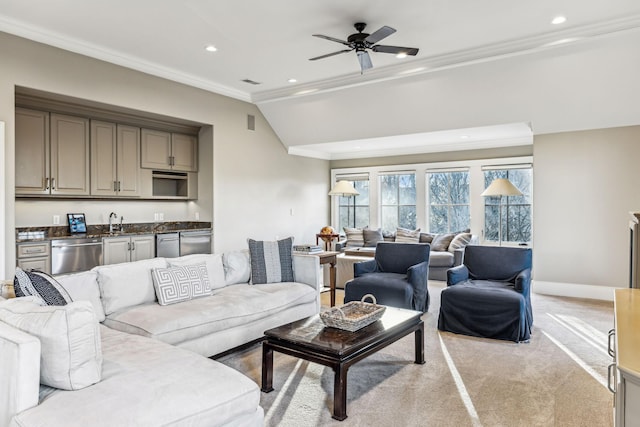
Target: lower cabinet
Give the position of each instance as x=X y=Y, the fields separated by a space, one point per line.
x=128 y=248
x=34 y=255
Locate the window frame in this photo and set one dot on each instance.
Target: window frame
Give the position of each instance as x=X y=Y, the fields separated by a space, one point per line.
x=450 y=205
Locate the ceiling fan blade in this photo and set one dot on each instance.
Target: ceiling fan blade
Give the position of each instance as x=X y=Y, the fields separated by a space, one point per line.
x=333 y=39
x=329 y=54
x=378 y=35
x=365 y=60
x=413 y=51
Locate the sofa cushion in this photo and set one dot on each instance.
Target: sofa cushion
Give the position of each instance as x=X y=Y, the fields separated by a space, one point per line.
x=215 y=268
x=426 y=237
x=441 y=241
x=83 y=286
x=71 y=356
x=372 y=237
x=41 y=286
x=355 y=237
x=441 y=259
x=237 y=267
x=127 y=284
x=180 y=283
x=149 y=383
x=271 y=261
x=228 y=307
x=459 y=241
x=404 y=235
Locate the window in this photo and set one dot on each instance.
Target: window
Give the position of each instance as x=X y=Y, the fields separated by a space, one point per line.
x=354 y=211
x=516 y=210
x=398 y=201
x=448 y=201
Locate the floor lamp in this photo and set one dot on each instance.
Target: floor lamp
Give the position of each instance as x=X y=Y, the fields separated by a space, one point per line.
x=498 y=188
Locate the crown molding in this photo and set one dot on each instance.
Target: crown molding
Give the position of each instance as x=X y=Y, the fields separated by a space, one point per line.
x=21 y=29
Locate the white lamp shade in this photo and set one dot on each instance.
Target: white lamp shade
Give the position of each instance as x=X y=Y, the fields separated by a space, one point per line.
x=343 y=188
x=501 y=187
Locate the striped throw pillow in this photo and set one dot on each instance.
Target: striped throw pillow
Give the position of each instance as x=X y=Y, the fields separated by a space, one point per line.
x=355 y=237
x=460 y=241
x=404 y=235
x=271 y=261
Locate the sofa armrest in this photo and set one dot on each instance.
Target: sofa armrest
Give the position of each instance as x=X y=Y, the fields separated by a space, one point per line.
x=340 y=245
x=20 y=373
x=457 y=274
x=360 y=268
x=418 y=275
x=306 y=269
x=458 y=257
x=523 y=281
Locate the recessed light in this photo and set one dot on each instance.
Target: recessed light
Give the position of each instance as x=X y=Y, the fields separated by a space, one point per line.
x=401 y=55
x=211 y=48
x=292 y=81
x=559 y=20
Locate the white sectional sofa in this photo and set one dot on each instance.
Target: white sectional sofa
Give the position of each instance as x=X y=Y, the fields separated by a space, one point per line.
x=151 y=355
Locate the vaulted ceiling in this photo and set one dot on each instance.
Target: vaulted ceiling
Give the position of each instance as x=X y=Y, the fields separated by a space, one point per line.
x=487 y=74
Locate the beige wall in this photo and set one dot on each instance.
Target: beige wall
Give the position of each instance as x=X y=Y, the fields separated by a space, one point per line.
x=585 y=185
x=254 y=185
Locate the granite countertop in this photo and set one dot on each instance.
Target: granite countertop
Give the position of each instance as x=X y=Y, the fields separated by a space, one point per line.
x=45 y=233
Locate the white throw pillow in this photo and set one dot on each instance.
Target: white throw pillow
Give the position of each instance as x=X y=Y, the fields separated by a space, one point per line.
x=215 y=269
x=180 y=283
x=127 y=284
x=237 y=267
x=71 y=354
x=84 y=287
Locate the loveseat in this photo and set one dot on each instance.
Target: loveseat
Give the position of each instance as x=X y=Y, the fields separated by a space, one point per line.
x=447 y=249
x=125 y=359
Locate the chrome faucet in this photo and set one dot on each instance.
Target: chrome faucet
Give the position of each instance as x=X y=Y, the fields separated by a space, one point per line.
x=111 y=216
x=121 y=218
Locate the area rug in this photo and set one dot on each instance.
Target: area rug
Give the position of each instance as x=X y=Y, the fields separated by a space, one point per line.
x=557 y=379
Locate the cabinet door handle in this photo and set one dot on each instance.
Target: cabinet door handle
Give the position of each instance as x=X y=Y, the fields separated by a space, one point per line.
x=129 y=246
x=612 y=372
x=169 y=160
x=610 y=347
x=46 y=183
x=53 y=183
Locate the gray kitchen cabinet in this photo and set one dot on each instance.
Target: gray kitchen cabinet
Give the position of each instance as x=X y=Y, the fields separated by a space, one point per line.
x=168 y=151
x=115 y=154
x=34 y=255
x=52 y=154
x=128 y=248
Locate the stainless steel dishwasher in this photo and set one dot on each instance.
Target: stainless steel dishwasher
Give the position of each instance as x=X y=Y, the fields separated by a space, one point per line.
x=195 y=242
x=76 y=254
x=168 y=245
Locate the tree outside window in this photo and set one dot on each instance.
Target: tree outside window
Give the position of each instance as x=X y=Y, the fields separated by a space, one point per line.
x=398 y=201
x=448 y=201
x=354 y=211
x=516 y=210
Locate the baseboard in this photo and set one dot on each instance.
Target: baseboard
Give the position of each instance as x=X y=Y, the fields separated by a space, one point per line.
x=574 y=290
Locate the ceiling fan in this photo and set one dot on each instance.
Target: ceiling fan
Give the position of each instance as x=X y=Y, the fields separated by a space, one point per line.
x=360 y=42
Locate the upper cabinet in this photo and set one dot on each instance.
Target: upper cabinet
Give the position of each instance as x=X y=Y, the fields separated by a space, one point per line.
x=168 y=151
x=52 y=154
x=115 y=155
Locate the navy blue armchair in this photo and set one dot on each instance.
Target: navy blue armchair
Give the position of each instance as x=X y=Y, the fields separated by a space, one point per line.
x=397 y=276
x=489 y=294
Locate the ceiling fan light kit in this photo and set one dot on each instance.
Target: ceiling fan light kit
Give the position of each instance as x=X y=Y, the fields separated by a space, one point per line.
x=361 y=42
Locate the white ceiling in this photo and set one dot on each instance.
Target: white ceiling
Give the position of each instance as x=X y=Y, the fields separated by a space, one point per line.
x=402 y=106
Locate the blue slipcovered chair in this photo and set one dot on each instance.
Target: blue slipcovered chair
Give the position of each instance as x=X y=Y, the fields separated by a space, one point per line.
x=397 y=276
x=489 y=294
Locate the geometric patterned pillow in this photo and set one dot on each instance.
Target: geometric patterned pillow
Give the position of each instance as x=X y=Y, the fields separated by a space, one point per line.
x=181 y=283
x=41 y=286
x=271 y=262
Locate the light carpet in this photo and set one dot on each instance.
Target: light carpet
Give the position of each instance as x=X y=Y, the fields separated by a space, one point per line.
x=558 y=379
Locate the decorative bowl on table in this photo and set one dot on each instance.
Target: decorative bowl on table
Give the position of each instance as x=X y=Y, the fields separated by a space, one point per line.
x=353 y=315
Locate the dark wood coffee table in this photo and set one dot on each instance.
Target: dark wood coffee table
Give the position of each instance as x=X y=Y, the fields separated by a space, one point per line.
x=311 y=340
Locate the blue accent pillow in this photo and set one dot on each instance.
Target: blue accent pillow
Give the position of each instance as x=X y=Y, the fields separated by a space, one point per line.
x=38 y=284
x=271 y=261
